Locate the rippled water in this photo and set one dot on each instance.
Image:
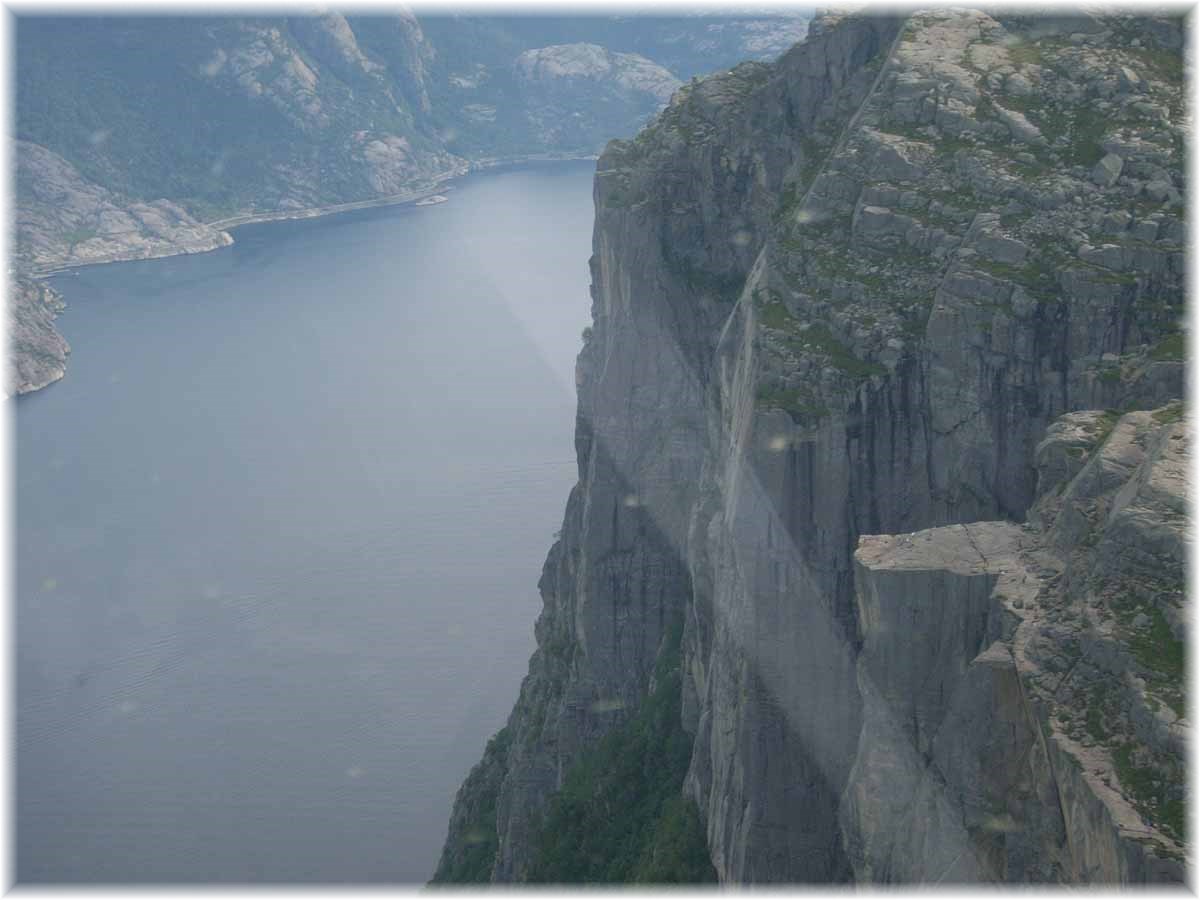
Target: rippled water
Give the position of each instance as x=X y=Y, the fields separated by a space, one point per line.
x=279 y=533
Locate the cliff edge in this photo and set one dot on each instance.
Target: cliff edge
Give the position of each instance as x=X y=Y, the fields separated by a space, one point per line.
x=846 y=295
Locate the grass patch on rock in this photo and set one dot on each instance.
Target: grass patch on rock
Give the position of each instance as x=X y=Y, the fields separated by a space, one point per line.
x=1171 y=348
x=620 y=816
x=1149 y=788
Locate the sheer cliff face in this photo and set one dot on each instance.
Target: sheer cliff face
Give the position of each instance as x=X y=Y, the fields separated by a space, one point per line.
x=846 y=295
x=1023 y=714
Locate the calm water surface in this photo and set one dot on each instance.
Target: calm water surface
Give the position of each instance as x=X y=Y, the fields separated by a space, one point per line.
x=279 y=533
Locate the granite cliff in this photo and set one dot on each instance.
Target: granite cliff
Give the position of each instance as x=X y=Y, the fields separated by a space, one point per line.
x=882 y=475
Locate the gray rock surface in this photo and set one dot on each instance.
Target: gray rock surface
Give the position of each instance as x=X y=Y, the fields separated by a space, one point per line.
x=65 y=220
x=37 y=353
x=833 y=297
x=1013 y=730
x=1108 y=170
x=593 y=63
x=561 y=84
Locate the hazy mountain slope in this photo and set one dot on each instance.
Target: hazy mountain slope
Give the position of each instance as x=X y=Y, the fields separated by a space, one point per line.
x=228 y=116
x=62 y=218
x=133 y=132
x=224 y=115
x=476 y=72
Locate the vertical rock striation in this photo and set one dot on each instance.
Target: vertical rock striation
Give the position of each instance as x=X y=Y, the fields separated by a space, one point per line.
x=1021 y=683
x=845 y=295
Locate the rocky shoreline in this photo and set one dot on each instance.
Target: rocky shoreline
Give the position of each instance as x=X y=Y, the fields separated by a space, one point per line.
x=37 y=352
x=222 y=238
x=411 y=196
x=41 y=342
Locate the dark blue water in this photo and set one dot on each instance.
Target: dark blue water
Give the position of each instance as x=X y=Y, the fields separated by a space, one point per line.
x=278 y=535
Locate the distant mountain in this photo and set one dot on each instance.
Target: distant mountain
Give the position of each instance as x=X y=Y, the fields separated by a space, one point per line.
x=145 y=136
x=217 y=117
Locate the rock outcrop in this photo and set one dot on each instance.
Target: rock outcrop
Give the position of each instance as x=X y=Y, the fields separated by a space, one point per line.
x=589 y=62
x=560 y=85
x=843 y=295
x=1022 y=684
x=65 y=220
x=37 y=353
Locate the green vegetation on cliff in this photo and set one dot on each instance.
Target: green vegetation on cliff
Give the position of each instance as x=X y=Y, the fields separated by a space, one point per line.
x=120 y=99
x=471 y=850
x=620 y=816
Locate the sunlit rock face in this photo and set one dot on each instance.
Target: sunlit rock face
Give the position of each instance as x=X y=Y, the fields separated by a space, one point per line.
x=869 y=290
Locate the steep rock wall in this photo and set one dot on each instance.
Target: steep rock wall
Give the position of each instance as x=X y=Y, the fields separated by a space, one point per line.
x=845 y=295
x=1014 y=730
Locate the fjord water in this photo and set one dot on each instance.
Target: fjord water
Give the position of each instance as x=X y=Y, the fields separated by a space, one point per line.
x=278 y=536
